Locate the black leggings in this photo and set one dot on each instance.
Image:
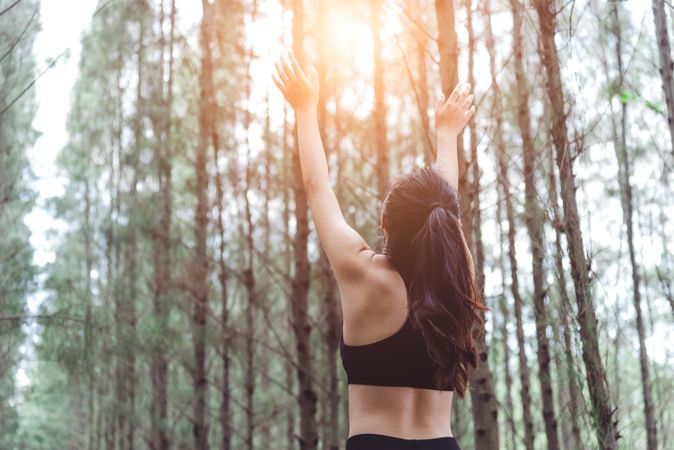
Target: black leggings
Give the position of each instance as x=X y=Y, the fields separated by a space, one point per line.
x=369 y=441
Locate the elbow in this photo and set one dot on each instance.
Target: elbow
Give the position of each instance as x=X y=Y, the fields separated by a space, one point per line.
x=311 y=185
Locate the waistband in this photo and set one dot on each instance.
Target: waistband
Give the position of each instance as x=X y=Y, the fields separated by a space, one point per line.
x=399 y=439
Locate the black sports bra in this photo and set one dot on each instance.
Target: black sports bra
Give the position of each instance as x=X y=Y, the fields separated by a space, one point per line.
x=401 y=359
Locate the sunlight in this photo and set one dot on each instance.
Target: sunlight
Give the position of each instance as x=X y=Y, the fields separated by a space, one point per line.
x=346 y=31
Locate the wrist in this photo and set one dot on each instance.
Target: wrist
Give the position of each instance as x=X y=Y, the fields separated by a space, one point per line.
x=447 y=133
x=305 y=110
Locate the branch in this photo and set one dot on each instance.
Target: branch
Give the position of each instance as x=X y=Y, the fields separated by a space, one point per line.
x=427 y=135
x=52 y=64
x=10 y=7
x=14 y=44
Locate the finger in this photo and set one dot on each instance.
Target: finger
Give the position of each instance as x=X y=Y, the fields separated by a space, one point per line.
x=297 y=68
x=470 y=113
x=467 y=102
x=286 y=68
x=279 y=84
x=465 y=89
x=455 y=93
x=440 y=102
x=281 y=73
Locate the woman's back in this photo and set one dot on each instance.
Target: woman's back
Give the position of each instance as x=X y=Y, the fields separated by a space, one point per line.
x=375 y=310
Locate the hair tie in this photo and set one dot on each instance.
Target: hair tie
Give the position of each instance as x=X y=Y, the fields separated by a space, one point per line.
x=436 y=205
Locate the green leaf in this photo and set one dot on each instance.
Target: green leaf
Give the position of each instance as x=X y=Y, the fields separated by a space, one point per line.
x=654 y=106
x=627 y=96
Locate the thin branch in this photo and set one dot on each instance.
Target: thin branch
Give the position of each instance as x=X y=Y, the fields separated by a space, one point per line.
x=51 y=65
x=427 y=135
x=10 y=7
x=15 y=43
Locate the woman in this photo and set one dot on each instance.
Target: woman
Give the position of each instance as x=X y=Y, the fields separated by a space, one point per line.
x=410 y=314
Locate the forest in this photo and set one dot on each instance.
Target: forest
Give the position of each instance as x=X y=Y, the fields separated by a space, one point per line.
x=187 y=302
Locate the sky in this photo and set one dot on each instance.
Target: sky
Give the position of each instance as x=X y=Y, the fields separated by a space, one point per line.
x=62 y=29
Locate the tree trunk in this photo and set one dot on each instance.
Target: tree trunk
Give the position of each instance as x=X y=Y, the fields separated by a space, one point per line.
x=331 y=309
x=88 y=361
x=504 y=183
x=484 y=407
x=119 y=427
x=560 y=271
x=534 y=218
x=131 y=256
x=505 y=316
x=200 y=262
x=422 y=85
x=624 y=171
x=159 y=437
x=472 y=127
x=379 y=112
x=249 y=277
x=300 y=282
x=287 y=252
x=607 y=430
x=223 y=278
x=665 y=56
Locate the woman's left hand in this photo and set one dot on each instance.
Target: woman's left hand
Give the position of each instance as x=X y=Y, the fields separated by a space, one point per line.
x=298 y=88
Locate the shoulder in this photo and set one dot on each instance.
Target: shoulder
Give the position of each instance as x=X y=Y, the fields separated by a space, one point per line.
x=375 y=289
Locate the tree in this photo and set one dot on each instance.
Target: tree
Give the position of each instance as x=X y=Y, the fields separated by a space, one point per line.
x=485 y=413
x=607 y=432
x=308 y=439
x=665 y=59
x=379 y=112
x=200 y=264
x=626 y=197
x=504 y=184
x=534 y=219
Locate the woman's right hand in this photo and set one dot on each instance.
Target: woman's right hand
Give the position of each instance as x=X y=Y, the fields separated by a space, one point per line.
x=453 y=114
x=298 y=88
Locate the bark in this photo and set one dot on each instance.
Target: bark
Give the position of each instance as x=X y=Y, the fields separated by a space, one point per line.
x=131 y=252
x=560 y=275
x=331 y=309
x=534 y=218
x=379 y=112
x=475 y=167
x=223 y=279
x=666 y=65
x=159 y=437
x=484 y=407
x=422 y=86
x=603 y=414
x=504 y=184
x=308 y=438
x=626 y=197
x=503 y=304
x=249 y=281
x=119 y=427
x=200 y=263
x=88 y=258
x=288 y=251
x=106 y=388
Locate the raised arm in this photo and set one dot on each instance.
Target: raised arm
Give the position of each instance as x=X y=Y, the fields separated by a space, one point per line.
x=451 y=117
x=346 y=250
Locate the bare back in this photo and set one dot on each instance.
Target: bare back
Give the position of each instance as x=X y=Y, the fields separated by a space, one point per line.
x=375 y=307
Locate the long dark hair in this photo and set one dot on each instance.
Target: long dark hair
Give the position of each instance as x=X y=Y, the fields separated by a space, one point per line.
x=425 y=243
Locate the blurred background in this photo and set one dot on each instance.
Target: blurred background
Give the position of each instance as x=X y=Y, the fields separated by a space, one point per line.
x=161 y=283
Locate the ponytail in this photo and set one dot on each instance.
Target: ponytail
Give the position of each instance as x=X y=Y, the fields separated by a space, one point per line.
x=437 y=268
